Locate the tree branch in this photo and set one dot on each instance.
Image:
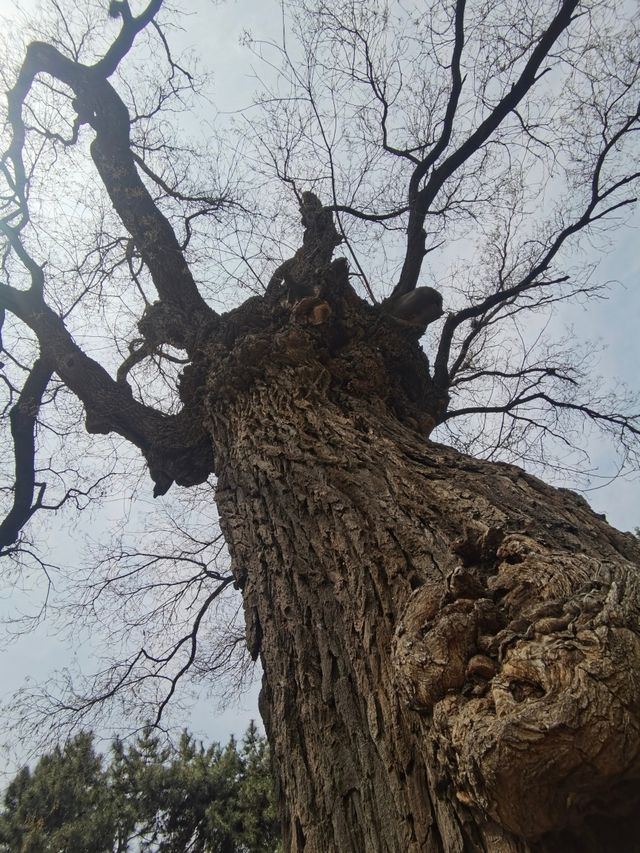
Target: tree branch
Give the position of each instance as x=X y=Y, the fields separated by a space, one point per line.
x=174 y=449
x=452 y=105
x=421 y=199
x=98 y=104
x=23 y=418
x=130 y=28
x=530 y=281
x=625 y=422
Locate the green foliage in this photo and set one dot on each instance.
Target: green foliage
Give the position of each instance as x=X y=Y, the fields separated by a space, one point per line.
x=62 y=805
x=146 y=798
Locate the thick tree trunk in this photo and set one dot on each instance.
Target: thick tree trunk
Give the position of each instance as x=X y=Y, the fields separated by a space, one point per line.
x=451 y=648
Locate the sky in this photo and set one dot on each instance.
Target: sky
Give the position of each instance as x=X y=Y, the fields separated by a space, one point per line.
x=216 y=30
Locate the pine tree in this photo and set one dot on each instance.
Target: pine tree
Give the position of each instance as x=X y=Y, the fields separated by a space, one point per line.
x=148 y=798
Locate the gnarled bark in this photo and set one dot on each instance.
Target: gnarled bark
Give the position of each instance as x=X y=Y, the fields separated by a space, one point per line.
x=451 y=648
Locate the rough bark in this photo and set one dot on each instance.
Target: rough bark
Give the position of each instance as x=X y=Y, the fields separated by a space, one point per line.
x=451 y=648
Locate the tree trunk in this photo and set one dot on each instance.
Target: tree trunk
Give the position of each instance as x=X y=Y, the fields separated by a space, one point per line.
x=451 y=648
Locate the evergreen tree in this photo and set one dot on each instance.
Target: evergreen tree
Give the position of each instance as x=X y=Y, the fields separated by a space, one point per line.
x=147 y=798
x=63 y=805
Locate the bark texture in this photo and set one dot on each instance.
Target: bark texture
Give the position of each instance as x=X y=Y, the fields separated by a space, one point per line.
x=451 y=648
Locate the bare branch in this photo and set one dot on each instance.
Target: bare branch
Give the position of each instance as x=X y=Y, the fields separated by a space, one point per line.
x=420 y=200
x=532 y=279
x=99 y=105
x=130 y=28
x=109 y=405
x=23 y=418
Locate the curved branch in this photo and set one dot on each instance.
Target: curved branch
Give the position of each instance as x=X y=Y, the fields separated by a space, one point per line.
x=192 y=639
x=212 y=202
x=626 y=423
x=23 y=418
x=589 y=215
x=441 y=373
x=174 y=451
x=369 y=217
x=98 y=104
x=130 y=28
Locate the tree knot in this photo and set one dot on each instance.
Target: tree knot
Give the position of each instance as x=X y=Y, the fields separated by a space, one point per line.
x=531 y=672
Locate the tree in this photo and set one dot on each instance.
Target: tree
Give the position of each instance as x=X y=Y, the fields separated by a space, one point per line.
x=63 y=804
x=148 y=797
x=450 y=647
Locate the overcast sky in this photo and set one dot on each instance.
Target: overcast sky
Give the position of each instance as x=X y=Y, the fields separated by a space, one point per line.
x=215 y=29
